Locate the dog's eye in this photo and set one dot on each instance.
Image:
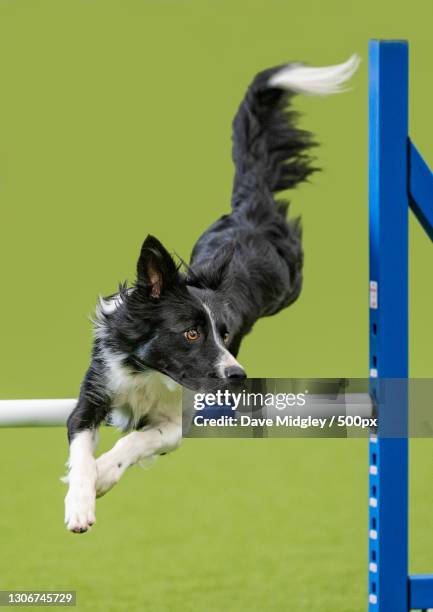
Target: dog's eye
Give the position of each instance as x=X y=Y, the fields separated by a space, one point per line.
x=191 y=335
x=226 y=337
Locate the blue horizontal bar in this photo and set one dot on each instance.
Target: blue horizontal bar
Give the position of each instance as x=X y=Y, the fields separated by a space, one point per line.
x=421 y=592
x=421 y=189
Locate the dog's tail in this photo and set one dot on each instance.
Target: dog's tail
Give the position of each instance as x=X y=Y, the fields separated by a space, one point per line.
x=270 y=153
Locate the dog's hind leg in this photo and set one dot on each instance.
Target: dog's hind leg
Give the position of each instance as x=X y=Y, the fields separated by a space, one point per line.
x=133 y=448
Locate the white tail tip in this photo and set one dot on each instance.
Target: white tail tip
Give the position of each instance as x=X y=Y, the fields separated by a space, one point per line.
x=312 y=81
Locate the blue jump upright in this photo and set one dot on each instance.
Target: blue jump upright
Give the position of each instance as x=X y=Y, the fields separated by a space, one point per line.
x=399 y=179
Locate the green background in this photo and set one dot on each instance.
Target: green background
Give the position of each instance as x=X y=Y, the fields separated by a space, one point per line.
x=115 y=122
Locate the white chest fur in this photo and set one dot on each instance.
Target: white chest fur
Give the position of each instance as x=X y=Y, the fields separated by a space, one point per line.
x=134 y=396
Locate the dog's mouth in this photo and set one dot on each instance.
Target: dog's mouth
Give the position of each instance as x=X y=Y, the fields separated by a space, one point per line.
x=206 y=384
x=211 y=384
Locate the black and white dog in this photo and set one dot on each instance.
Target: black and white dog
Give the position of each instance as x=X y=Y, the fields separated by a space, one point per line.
x=171 y=328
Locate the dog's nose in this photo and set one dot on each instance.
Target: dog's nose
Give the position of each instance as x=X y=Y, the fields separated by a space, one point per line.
x=235 y=372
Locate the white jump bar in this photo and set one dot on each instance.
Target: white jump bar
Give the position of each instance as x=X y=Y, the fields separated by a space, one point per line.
x=54 y=412
x=325 y=406
x=35 y=413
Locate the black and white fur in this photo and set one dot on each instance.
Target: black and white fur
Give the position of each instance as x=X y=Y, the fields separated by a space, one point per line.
x=174 y=329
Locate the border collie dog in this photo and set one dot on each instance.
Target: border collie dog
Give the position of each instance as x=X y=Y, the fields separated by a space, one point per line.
x=171 y=328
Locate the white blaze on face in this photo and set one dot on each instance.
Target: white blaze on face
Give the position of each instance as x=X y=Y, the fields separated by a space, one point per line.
x=225 y=358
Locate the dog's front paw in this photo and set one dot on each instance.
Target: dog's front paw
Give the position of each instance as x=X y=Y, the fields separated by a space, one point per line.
x=109 y=470
x=80 y=509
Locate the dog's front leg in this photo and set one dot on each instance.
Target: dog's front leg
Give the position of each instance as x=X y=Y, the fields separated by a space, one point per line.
x=83 y=425
x=80 y=499
x=135 y=447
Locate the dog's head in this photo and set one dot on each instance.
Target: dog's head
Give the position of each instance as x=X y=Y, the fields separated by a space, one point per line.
x=167 y=325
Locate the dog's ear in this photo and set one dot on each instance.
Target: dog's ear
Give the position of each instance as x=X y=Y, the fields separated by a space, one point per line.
x=156 y=269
